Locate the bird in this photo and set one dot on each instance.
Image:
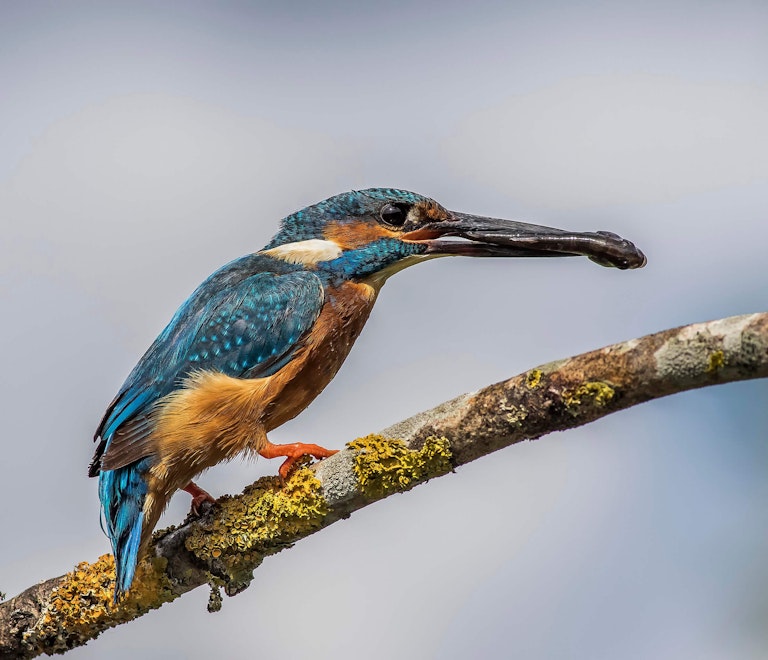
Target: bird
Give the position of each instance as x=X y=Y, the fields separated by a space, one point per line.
x=262 y=336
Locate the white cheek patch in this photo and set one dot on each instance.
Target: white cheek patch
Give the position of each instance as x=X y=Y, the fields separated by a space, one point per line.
x=307 y=253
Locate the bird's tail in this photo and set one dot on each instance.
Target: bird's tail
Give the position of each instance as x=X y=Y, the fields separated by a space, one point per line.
x=122 y=493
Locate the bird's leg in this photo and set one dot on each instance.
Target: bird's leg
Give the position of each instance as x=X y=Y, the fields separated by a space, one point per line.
x=198 y=496
x=293 y=452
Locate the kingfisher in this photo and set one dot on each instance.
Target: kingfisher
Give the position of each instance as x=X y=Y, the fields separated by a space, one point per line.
x=259 y=339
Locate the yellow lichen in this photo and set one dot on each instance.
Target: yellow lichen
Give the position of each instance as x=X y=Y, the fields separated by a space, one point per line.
x=595 y=393
x=533 y=378
x=385 y=466
x=716 y=362
x=265 y=518
x=81 y=606
x=239 y=533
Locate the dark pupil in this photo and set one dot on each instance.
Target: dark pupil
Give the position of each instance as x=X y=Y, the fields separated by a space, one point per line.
x=393 y=215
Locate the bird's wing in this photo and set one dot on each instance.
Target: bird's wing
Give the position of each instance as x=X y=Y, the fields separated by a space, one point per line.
x=250 y=328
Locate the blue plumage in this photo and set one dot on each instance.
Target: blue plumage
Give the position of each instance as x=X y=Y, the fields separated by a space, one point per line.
x=244 y=329
x=261 y=337
x=368 y=259
x=244 y=321
x=122 y=494
x=310 y=222
x=236 y=322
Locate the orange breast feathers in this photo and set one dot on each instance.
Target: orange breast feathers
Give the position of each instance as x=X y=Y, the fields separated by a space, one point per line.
x=215 y=417
x=351 y=235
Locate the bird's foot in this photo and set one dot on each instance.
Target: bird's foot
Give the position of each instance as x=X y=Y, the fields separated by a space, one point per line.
x=198 y=496
x=293 y=452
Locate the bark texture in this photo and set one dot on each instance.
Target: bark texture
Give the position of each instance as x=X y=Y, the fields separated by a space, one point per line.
x=223 y=546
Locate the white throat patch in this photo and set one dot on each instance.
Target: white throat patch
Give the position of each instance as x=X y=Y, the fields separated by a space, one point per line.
x=308 y=253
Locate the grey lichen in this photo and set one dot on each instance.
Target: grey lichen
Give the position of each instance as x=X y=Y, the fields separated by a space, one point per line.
x=337 y=476
x=704 y=349
x=214 y=599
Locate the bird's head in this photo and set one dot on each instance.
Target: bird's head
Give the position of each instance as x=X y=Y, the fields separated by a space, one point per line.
x=371 y=234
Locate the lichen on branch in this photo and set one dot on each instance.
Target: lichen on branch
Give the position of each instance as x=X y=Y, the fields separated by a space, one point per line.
x=222 y=547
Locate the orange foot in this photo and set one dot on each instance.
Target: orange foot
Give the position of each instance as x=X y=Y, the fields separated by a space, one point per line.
x=293 y=452
x=198 y=496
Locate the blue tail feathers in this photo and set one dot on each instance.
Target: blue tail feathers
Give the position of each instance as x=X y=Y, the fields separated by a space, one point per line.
x=122 y=493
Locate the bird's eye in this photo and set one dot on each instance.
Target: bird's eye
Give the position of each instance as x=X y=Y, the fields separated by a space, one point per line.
x=394 y=214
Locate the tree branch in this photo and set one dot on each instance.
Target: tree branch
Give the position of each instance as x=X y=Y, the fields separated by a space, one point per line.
x=231 y=539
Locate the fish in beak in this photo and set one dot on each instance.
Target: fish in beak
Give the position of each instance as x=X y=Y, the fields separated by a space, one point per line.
x=493 y=237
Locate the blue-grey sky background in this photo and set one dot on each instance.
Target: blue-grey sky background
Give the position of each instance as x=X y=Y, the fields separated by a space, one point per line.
x=144 y=144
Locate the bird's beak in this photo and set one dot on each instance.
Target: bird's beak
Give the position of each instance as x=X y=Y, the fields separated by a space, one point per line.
x=491 y=237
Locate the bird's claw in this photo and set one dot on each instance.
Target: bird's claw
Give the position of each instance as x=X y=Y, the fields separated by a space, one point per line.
x=199 y=497
x=293 y=453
